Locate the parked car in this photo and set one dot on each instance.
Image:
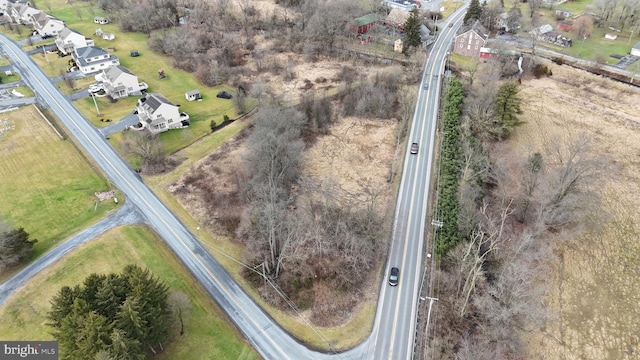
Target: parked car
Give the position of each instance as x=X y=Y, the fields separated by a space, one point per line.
x=393 y=276
x=414 y=148
x=223 y=95
x=95 y=87
x=426 y=86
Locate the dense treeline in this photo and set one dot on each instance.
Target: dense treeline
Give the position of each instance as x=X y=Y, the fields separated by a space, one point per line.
x=114 y=316
x=450 y=157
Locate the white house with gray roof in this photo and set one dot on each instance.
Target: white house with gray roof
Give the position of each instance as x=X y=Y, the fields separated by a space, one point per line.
x=118 y=82
x=90 y=59
x=68 y=40
x=45 y=24
x=21 y=13
x=158 y=114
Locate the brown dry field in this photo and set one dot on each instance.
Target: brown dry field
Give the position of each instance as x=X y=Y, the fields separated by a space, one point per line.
x=594 y=289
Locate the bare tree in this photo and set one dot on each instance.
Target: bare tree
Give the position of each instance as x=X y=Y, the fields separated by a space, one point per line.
x=147 y=147
x=180 y=306
x=583 y=26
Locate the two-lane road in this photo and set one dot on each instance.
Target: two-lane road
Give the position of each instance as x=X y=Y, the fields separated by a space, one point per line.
x=395 y=324
x=394 y=328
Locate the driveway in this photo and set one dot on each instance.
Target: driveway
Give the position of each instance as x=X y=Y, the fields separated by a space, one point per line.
x=122 y=124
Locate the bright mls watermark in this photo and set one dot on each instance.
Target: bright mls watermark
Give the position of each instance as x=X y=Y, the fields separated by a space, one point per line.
x=35 y=350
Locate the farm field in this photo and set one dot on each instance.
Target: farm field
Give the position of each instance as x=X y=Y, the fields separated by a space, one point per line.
x=593 y=289
x=208 y=335
x=46 y=186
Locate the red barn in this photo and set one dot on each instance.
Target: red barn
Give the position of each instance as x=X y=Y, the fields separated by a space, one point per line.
x=364 y=23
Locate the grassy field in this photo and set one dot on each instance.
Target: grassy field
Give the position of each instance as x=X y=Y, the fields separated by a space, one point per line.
x=46 y=186
x=208 y=334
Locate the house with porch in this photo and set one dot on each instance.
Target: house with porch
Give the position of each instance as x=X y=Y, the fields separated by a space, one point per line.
x=47 y=25
x=471 y=39
x=157 y=114
x=90 y=59
x=118 y=82
x=68 y=40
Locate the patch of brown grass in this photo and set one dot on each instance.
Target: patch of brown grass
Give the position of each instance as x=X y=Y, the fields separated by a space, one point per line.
x=592 y=292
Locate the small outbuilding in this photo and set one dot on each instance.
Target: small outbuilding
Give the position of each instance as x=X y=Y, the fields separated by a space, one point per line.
x=100 y=20
x=610 y=36
x=564 y=25
x=108 y=36
x=635 y=50
x=397 y=46
x=192 y=95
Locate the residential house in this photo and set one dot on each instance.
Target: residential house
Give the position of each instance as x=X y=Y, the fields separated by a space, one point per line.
x=471 y=39
x=635 y=50
x=100 y=20
x=564 y=25
x=68 y=40
x=21 y=13
x=508 y=21
x=362 y=24
x=397 y=18
x=192 y=95
x=46 y=25
x=545 y=33
x=158 y=114
x=5 y=5
x=563 y=13
x=90 y=59
x=118 y=82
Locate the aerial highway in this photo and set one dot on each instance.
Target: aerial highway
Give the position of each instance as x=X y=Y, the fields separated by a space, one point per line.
x=393 y=334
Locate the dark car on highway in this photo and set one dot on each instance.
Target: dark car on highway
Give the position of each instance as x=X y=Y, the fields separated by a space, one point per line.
x=414 y=148
x=393 y=276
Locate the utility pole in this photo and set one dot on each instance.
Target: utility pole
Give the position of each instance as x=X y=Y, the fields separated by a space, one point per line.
x=95 y=102
x=426 y=327
x=44 y=51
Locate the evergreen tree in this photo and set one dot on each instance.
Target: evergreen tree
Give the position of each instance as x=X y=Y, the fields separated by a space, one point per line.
x=15 y=247
x=62 y=305
x=412 y=30
x=92 y=336
x=507 y=107
x=474 y=12
x=110 y=295
x=124 y=347
x=115 y=316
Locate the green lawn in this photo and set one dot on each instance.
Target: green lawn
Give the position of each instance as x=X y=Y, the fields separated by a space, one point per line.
x=46 y=186
x=208 y=334
x=26 y=91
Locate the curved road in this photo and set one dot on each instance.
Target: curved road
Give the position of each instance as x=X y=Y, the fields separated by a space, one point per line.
x=394 y=327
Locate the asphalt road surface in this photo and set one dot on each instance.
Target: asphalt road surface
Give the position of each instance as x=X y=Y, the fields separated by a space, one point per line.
x=394 y=328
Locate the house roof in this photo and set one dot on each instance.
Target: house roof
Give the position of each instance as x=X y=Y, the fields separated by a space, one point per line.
x=113 y=73
x=40 y=18
x=65 y=32
x=366 y=20
x=152 y=101
x=90 y=51
x=398 y=16
x=424 y=31
x=542 y=29
x=99 y=18
x=637 y=45
x=192 y=92
x=477 y=28
x=563 y=11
